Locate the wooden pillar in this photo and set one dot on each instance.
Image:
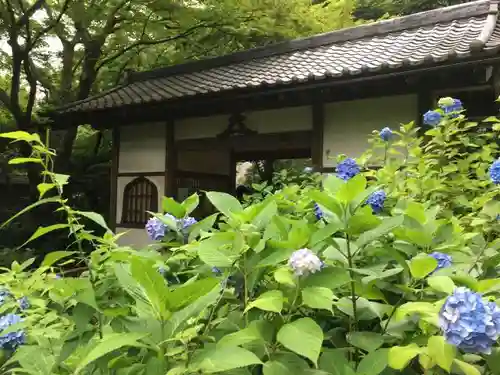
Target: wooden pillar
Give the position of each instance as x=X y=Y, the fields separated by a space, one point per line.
x=115 y=160
x=170 y=160
x=318 y=125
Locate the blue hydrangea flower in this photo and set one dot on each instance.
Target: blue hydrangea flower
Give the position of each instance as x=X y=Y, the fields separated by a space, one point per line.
x=187 y=222
x=495 y=172
x=452 y=107
x=432 y=118
x=304 y=262
x=317 y=211
x=11 y=340
x=4 y=294
x=163 y=271
x=347 y=169
x=23 y=302
x=376 y=201
x=386 y=134
x=443 y=260
x=156 y=229
x=468 y=322
x=308 y=170
x=57 y=276
x=216 y=271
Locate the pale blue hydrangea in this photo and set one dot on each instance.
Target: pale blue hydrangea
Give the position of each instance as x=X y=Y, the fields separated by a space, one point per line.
x=470 y=323
x=216 y=271
x=432 y=118
x=11 y=340
x=386 y=134
x=24 y=303
x=163 y=271
x=308 y=170
x=495 y=172
x=443 y=260
x=376 y=200
x=347 y=169
x=156 y=229
x=304 y=262
x=318 y=212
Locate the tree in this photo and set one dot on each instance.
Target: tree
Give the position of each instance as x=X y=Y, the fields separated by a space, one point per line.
x=65 y=50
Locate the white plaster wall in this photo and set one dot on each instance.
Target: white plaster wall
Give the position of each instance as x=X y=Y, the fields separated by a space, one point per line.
x=269 y=121
x=348 y=125
x=135 y=237
x=142 y=148
x=159 y=181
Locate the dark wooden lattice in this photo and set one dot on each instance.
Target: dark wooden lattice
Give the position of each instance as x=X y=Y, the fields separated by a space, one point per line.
x=140 y=196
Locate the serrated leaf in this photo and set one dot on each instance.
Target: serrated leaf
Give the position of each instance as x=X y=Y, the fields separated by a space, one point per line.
x=170 y=206
x=384 y=228
x=318 y=297
x=368 y=341
x=373 y=363
x=421 y=266
x=467 y=368
x=400 y=356
x=224 y=359
x=284 y=276
x=268 y=301
x=95 y=217
x=55 y=256
x=42 y=231
x=442 y=284
x=303 y=337
x=225 y=203
x=441 y=352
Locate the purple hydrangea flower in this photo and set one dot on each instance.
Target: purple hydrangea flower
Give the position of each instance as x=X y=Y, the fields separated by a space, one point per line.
x=347 y=169
x=376 y=201
x=11 y=340
x=386 y=134
x=443 y=260
x=187 y=222
x=156 y=229
x=432 y=118
x=304 y=262
x=318 y=212
x=495 y=172
x=23 y=302
x=57 y=276
x=468 y=322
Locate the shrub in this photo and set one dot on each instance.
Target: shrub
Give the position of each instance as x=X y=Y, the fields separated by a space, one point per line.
x=389 y=267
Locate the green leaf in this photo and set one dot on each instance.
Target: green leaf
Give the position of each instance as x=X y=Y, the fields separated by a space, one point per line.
x=20 y=135
x=368 y=341
x=191 y=203
x=217 y=251
x=386 y=227
x=16 y=161
x=324 y=233
x=108 y=344
x=467 y=368
x=400 y=356
x=318 y=297
x=442 y=284
x=203 y=225
x=223 y=359
x=303 y=337
x=330 y=277
x=335 y=362
x=422 y=265
x=328 y=202
x=373 y=363
x=44 y=187
x=153 y=285
x=441 y=352
x=265 y=216
x=188 y=293
x=30 y=207
x=285 y=364
x=352 y=188
x=225 y=203
x=268 y=301
x=55 y=256
x=332 y=183
x=284 y=276
x=170 y=206
x=42 y=231
x=95 y=217
x=241 y=337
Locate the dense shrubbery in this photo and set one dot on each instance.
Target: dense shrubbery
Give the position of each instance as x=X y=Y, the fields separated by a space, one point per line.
x=388 y=266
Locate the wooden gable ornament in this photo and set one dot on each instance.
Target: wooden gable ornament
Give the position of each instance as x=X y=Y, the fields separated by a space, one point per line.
x=236 y=127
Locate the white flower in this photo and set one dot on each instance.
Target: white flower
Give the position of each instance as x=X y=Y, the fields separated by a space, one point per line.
x=304 y=262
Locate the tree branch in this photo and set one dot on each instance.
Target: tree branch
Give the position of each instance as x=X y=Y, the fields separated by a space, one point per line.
x=53 y=22
x=25 y=18
x=152 y=43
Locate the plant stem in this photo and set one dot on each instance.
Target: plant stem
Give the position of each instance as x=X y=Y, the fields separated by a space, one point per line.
x=354 y=320
x=295 y=298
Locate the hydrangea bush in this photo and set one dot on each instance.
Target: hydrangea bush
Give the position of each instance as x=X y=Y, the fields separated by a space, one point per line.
x=387 y=266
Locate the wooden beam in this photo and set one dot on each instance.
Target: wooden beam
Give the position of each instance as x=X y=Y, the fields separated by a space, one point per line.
x=141 y=174
x=115 y=159
x=170 y=160
x=318 y=125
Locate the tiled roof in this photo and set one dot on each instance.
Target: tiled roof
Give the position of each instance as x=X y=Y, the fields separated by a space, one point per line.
x=430 y=37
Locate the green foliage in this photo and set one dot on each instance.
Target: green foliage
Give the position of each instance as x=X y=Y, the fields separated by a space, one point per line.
x=370 y=308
